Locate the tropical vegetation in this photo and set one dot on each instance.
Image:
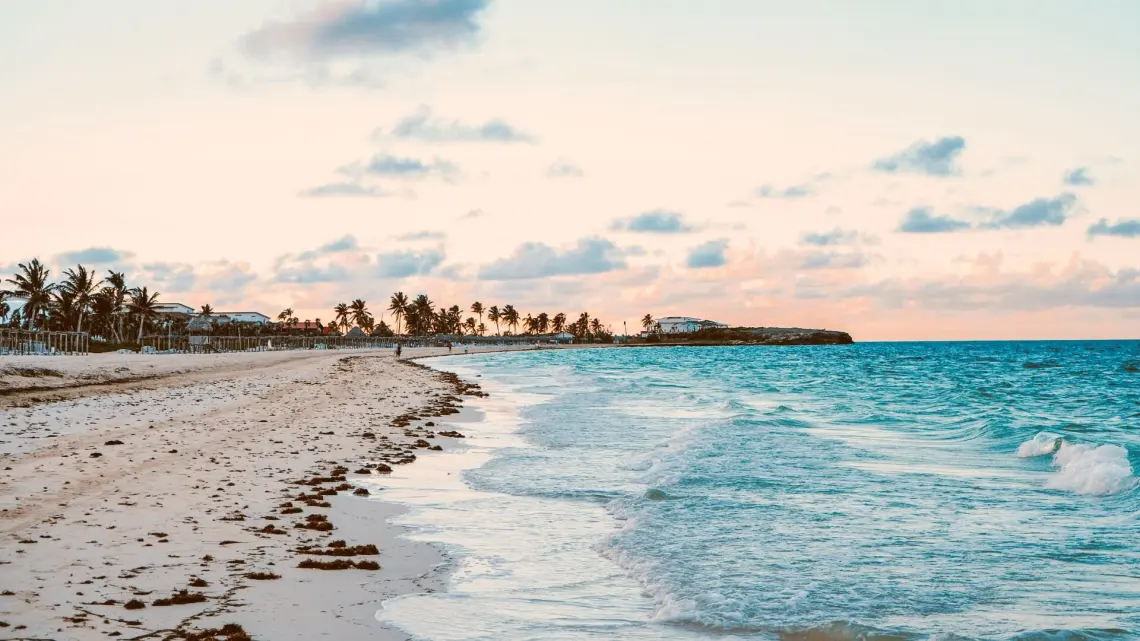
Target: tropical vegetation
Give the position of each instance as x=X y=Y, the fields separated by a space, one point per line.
x=115 y=313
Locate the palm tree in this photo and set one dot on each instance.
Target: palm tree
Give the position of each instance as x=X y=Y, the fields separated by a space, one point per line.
x=493 y=316
x=530 y=325
x=439 y=321
x=103 y=312
x=4 y=309
x=454 y=319
x=142 y=304
x=470 y=324
x=32 y=285
x=596 y=327
x=647 y=321
x=543 y=322
x=118 y=285
x=558 y=323
x=584 y=323
x=481 y=329
x=340 y=318
x=424 y=310
x=207 y=311
x=360 y=315
x=477 y=308
x=63 y=312
x=286 y=315
x=398 y=305
x=80 y=284
x=510 y=316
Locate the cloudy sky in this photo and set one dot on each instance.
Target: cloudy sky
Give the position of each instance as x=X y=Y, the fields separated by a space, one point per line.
x=937 y=170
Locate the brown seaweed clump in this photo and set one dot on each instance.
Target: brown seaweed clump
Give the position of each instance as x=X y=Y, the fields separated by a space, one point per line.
x=341 y=550
x=182 y=597
x=261 y=576
x=318 y=522
x=228 y=632
x=339 y=564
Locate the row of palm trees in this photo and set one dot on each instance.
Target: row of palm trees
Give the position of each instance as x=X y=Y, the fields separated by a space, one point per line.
x=106 y=307
x=345 y=316
x=419 y=316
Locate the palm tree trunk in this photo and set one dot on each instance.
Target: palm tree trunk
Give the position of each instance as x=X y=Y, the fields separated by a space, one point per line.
x=142 y=323
x=79 y=325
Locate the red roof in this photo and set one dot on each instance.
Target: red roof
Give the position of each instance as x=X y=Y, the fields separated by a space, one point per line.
x=307 y=325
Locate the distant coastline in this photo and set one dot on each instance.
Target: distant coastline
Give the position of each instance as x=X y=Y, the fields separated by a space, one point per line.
x=748 y=336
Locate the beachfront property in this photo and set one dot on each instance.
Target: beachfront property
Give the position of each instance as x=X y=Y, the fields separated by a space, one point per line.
x=246 y=317
x=174 y=310
x=686 y=324
x=178 y=310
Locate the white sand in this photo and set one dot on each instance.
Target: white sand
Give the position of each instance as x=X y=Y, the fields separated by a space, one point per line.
x=224 y=437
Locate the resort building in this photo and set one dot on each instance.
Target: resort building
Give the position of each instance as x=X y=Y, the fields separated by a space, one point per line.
x=685 y=324
x=174 y=309
x=246 y=317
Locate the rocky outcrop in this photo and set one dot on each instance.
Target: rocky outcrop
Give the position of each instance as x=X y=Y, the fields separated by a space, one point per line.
x=756 y=336
x=795 y=336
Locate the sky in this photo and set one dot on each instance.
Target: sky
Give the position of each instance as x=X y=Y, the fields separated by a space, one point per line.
x=944 y=170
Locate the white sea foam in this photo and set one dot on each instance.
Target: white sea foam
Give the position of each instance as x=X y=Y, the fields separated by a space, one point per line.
x=1040 y=445
x=1092 y=469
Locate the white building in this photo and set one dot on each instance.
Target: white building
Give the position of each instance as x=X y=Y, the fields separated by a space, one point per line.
x=246 y=317
x=678 y=324
x=685 y=324
x=174 y=309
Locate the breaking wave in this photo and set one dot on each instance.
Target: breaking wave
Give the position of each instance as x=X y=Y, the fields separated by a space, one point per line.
x=1097 y=470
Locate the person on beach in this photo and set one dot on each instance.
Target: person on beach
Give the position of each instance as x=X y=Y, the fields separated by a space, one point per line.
x=399 y=350
x=449 y=344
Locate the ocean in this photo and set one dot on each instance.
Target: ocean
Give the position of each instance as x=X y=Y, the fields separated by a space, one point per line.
x=897 y=491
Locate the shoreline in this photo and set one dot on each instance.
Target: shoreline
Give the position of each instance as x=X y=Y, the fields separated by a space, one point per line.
x=139 y=492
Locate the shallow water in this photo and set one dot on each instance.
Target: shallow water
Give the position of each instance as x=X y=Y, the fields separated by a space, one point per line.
x=873 y=491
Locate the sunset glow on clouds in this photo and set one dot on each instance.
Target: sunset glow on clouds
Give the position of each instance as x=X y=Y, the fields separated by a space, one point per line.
x=943 y=170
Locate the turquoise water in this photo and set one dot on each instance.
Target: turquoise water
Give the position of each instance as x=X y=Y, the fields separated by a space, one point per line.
x=874 y=491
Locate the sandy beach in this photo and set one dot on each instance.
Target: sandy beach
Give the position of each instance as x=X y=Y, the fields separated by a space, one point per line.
x=170 y=496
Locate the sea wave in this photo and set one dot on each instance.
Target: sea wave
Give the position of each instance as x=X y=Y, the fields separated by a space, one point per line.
x=797 y=496
x=1040 y=445
x=1092 y=469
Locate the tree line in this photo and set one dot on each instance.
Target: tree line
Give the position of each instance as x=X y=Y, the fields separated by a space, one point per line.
x=110 y=309
x=81 y=301
x=419 y=316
